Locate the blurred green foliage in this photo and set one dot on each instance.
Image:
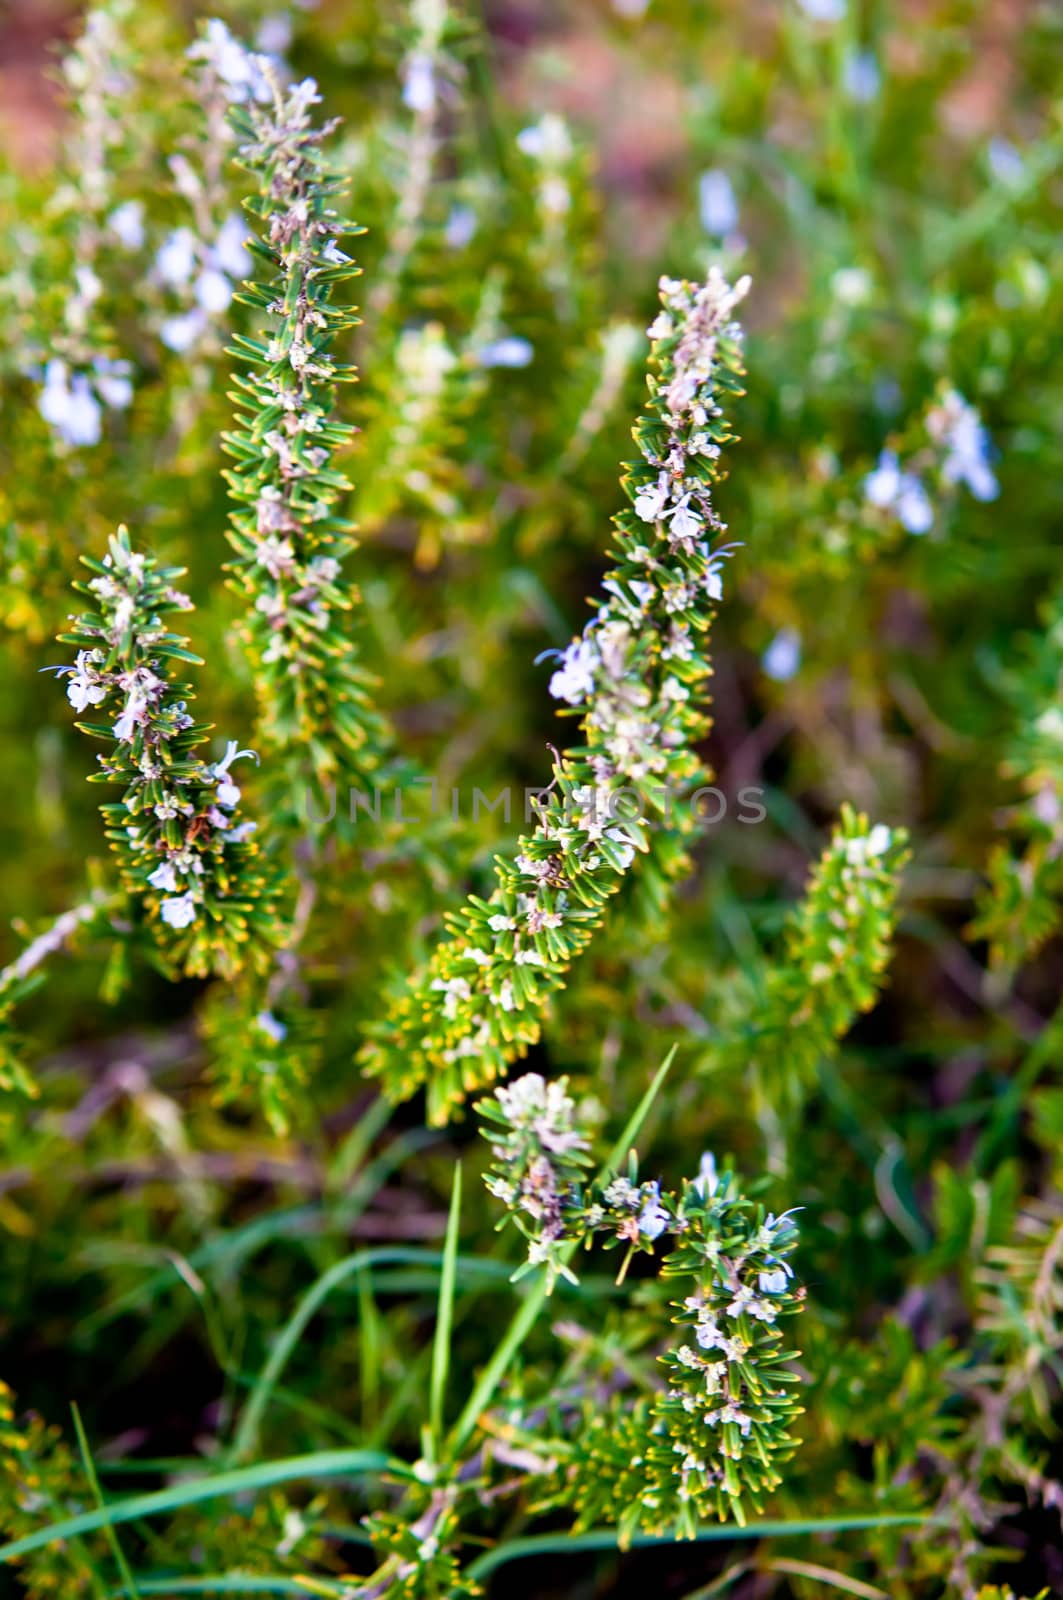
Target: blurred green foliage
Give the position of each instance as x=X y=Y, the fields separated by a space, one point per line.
x=206 y=1213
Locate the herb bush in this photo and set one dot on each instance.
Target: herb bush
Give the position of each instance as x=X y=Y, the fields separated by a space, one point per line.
x=471 y=1123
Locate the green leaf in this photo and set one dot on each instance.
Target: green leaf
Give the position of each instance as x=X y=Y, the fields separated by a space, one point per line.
x=444 y=1318
x=244 y=1480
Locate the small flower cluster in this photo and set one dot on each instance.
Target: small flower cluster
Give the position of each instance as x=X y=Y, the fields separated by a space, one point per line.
x=958 y=453
x=717 y=1433
x=620 y=348
x=81 y=378
x=549 y=148
x=1022 y=904
x=730 y=1396
x=200 y=266
x=434 y=384
x=540 y=1158
x=426 y=72
x=422 y=61
x=72 y=400
x=836 y=946
x=635 y=676
x=288 y=538
x=183 y=854
x=540 y=1150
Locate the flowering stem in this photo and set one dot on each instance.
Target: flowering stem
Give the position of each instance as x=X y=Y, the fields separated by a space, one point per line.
x=314 y=699
x=93 y=909
x=634 y=677
x=210 y=904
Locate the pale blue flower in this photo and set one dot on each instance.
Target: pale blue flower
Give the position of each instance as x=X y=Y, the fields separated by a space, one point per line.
x=574 y=679
x=782 y=658
x=823 y=10
x=717 y=206
x=1005 y=162
x=913 y=507
x=509 y=351
x=862 y=77
x=653 y=1218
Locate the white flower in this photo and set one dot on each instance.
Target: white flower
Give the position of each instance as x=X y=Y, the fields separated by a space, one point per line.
x=83 y=689
x=455 y=990
x=650 y=502
x=890 y=489
x=70 y=407
x=268 y=1024
x=214 y=292
x=685 y=523
x=180 y=333
x=418 y=83
x=960 y=428
x=882 y=486
x=914 y=509
x=501 y=924
x=574 y=680
x=653 y=1218
x=230 y=248
x=707 y=1181
x=111 y=382
x=708 y=1334
x=241 y=71
x=232 y=753
x=304 y=95
x=622 y=847
x=717 y=206
x=126 y=222
x=547 y=140
x=852 y=286
x=732 y=1412
x=713 y=580
x=773 y=1282
x=175 y=261
x=130 y=719
x=274 y=34
x=180 y=912
x=507 y=352
x=89 y=284
x=782 y=658
x=164 y=877
x=823 y=10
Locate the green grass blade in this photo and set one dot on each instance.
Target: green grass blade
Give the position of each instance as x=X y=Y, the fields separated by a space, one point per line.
x=246 y=1435
x=128 y=1584
x=444 y=1319
x=634 y=1124
x=243 y=1583
x=319 y=1464
x=607 y=1538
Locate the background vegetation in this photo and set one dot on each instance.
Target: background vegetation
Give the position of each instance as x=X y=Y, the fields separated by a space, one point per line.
x=220 y=1243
